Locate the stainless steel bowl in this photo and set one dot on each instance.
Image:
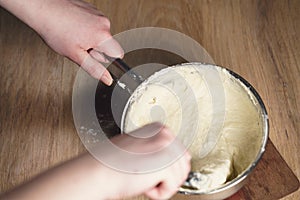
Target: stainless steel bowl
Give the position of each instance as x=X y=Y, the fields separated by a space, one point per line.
x=111 y=125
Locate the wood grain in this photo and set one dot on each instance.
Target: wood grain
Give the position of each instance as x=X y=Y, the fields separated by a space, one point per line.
x=260 y=40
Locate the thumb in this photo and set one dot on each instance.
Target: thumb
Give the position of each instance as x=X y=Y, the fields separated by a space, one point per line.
x=94 y=68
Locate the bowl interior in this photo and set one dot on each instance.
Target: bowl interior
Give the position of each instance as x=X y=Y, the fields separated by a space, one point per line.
x=111 y=124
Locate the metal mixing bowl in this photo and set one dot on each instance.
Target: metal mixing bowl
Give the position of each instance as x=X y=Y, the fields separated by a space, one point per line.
x=110 y=125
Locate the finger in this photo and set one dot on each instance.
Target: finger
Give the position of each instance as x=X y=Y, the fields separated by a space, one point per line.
x=185 y=169
x=95 y=69
x=106 y=78
x=164 y=190
x=188 y=159
x=97 y=56
x=110 y=47
x=188 y=156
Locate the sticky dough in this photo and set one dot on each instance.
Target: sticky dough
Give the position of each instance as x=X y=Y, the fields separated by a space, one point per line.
x=180 y=97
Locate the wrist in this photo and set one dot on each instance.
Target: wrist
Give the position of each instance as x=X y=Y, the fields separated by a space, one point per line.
x=98 y=175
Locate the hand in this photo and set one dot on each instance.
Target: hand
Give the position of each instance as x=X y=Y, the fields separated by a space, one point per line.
x=86 y=178
x=159 y=184
x=72 y=28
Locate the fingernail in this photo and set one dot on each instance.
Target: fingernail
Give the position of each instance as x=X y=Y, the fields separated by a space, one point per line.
x=106 y=79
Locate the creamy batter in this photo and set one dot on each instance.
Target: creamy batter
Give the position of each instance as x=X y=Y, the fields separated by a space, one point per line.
x=180 y=97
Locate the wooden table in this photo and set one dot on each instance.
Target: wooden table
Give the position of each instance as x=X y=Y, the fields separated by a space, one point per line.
x=260 y=40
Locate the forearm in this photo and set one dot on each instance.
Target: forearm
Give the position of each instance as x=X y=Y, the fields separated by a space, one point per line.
x=79 y=179
x=85 y=178
x=29 y=11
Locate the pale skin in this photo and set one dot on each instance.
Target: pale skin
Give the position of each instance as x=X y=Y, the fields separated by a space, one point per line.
x=87 y=178
x=83 y=178
x=72 y=28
